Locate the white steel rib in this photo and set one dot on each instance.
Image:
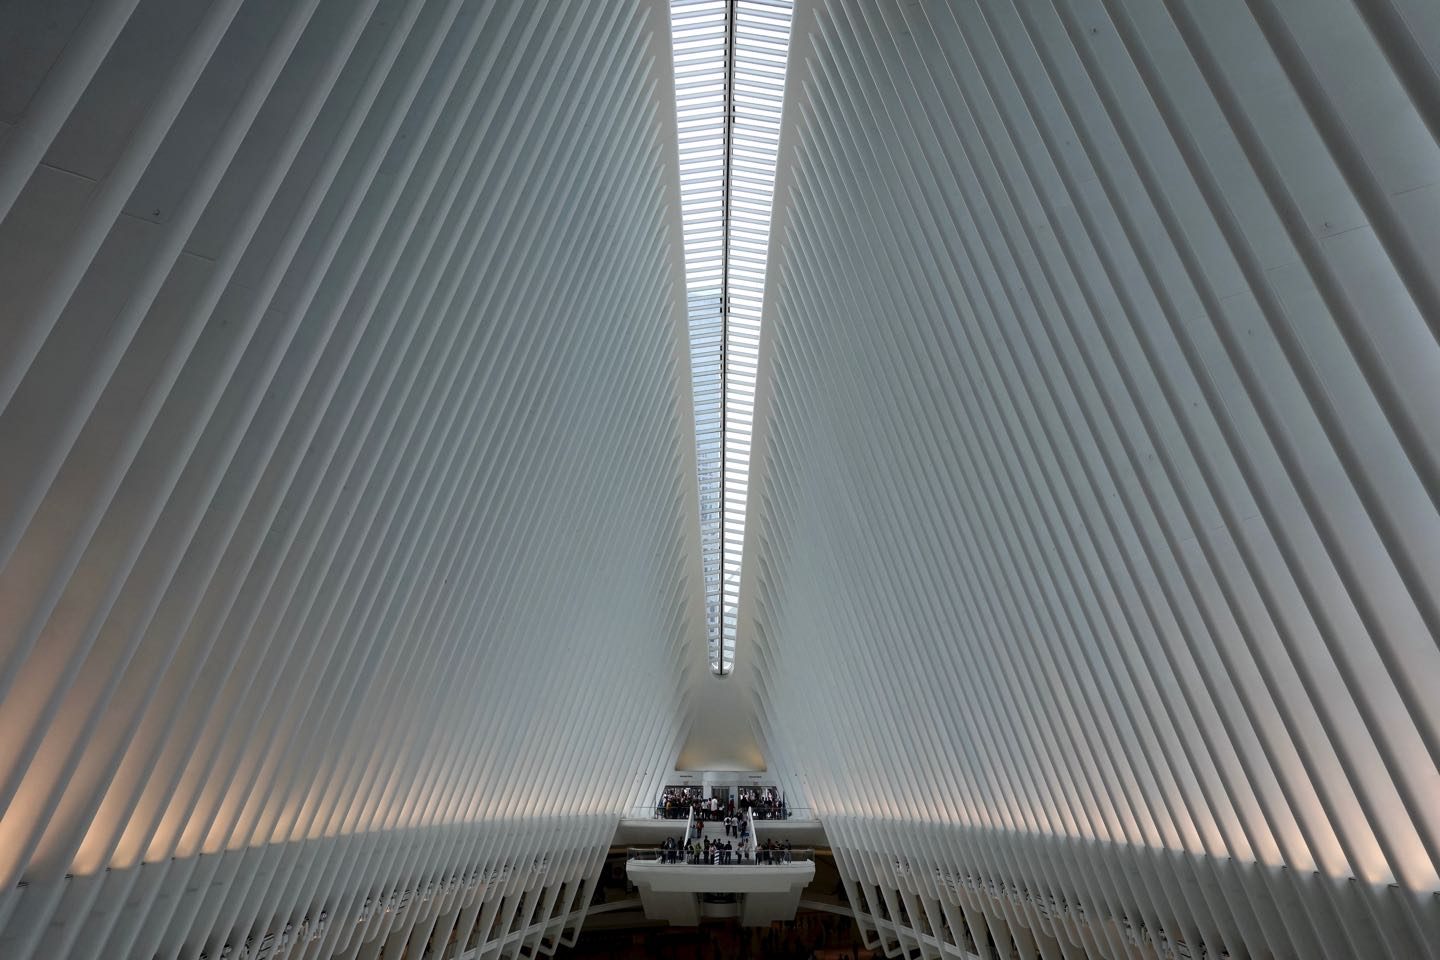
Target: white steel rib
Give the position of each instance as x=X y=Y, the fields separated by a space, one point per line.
x=352 y=578
x=345 y=473
x=1094 y=562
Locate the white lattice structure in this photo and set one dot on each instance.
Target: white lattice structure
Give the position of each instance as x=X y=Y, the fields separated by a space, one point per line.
x=351 y=577
x=347 y=515
x=1094 y=568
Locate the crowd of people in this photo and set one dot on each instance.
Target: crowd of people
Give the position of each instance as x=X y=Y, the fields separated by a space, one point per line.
x=700 y=851
x=737 y=827
x=718 y=852
x=774 y=851
x=678 y=803
x=765 y=802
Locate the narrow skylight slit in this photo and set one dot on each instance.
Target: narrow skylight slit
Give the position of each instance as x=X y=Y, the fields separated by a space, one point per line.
x=729 y=85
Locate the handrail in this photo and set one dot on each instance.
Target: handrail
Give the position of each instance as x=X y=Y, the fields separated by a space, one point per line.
x=653 y=812
x=761 y=857
x=768 y=814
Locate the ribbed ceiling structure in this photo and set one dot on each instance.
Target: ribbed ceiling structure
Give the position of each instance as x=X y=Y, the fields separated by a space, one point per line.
x=347 y=481
x=350 y=562
x=1094 y=571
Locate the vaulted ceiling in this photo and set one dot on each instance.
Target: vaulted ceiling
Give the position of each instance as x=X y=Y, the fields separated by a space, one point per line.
x=351 y=577
x=1094 y=556
x=349 y=522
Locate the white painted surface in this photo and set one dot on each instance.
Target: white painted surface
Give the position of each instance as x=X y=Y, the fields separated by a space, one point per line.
x=345 y=482
x=349 y=555
x=1093 y=539
x=767 y=892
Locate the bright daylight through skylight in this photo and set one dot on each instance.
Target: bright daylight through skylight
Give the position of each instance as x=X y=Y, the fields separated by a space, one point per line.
x=729 y=85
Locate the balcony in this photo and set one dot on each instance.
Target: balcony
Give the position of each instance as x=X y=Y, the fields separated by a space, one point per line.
x=764 y=888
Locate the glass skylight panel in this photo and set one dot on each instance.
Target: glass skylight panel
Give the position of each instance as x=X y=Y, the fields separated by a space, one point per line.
x=729 y=85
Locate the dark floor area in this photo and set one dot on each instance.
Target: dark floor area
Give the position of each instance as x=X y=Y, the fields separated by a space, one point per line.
x=812 y=935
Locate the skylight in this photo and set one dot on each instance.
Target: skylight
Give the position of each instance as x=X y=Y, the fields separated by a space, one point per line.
x=729 y=83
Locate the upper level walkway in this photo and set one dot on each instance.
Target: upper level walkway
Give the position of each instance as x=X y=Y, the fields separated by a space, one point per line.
x=641 y=827
x=758 y=881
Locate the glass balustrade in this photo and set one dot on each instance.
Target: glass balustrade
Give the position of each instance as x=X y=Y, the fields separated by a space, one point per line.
x=761 y=856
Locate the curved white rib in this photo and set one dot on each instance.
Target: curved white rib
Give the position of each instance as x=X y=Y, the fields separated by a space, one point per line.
x=1093 y=577
x=350 y=568
x=345 y=476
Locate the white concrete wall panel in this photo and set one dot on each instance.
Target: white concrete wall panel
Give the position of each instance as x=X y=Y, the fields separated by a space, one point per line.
x=1093 y=575
x=346 y=470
